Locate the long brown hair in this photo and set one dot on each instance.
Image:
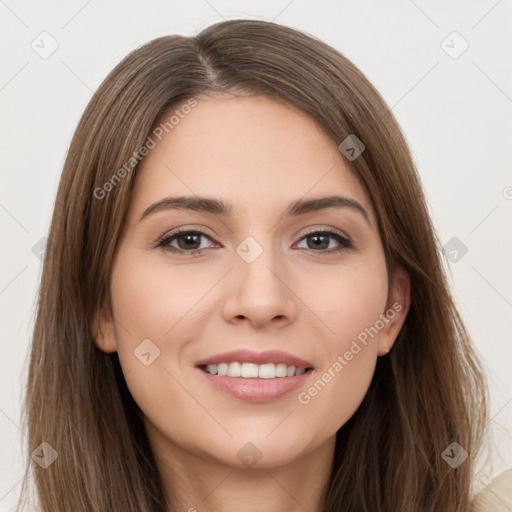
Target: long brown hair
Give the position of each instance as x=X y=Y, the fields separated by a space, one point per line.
x=426 y=394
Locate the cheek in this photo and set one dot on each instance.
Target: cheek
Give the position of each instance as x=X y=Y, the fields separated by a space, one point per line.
x=154 y=303
x=354 y=299
x=151 y=300
x=160 y=303
x=351 y=299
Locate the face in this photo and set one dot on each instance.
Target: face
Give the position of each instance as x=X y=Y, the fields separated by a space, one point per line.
x=276 y=275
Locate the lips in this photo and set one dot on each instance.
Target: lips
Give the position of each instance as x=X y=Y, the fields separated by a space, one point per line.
x=249 y=356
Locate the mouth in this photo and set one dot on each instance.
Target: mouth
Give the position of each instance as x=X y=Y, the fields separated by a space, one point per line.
x=255 y=376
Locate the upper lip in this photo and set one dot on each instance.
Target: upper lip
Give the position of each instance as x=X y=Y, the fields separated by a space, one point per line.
x=249 y=356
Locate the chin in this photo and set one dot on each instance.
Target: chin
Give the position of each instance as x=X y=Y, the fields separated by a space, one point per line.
x=261 y=452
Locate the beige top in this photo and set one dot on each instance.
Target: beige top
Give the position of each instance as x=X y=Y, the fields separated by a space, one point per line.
x=497 y=496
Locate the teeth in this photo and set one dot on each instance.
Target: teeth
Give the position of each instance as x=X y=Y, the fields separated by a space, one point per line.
x=253 y=371
x=234 y=370
x=249 y=370
x=267 y=371
x=281 y=370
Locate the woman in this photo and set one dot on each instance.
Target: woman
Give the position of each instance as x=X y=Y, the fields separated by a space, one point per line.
x=243 y=303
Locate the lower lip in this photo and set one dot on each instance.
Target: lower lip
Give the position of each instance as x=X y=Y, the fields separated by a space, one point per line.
x=257 y=390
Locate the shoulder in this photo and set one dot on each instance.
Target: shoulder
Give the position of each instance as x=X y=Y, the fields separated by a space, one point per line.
x=495 y=497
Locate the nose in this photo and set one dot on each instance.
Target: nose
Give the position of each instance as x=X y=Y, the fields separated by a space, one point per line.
x=260 y=292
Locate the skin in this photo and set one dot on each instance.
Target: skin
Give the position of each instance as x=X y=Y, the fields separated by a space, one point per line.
x=260 y=155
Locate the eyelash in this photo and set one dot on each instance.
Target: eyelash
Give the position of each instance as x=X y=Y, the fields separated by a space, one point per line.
x=164 y=242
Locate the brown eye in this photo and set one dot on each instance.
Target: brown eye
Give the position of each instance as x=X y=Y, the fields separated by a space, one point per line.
x=320 y=241
x=188 y=242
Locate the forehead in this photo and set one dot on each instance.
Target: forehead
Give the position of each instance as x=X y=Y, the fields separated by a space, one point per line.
x=255 y=152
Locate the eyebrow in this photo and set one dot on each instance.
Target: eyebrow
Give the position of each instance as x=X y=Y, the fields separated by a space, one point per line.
x=225 y=209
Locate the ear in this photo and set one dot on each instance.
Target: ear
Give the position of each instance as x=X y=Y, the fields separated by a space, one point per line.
x=397 y=307
x=103 y=330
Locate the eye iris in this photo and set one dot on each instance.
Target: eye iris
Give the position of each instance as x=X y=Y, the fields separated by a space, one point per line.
x=322 y=244
x=191 y=238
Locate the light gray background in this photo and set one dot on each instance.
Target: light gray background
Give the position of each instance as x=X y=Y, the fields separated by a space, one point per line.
x=455 y=112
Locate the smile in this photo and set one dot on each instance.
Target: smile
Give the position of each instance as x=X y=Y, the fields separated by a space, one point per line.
x=255 y=376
